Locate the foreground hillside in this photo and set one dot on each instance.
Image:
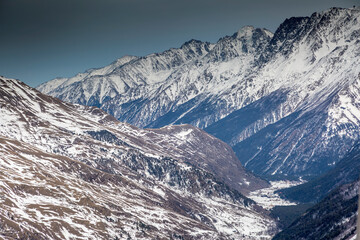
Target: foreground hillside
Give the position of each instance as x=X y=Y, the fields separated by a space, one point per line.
x=70 y=171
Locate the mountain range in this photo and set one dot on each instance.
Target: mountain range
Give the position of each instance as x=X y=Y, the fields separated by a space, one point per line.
x=285 y=101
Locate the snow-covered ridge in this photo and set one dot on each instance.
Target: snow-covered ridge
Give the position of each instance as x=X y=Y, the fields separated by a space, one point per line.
x=98 y=85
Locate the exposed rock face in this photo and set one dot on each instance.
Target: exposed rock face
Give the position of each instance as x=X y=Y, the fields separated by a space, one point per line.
x=72 y=171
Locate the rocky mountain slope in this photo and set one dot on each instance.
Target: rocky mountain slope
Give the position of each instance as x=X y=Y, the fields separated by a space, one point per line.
x=302 y=83
x=74 y=171
x=332 y=218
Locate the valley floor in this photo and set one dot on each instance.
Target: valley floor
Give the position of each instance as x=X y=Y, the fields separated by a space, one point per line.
x=268 y=199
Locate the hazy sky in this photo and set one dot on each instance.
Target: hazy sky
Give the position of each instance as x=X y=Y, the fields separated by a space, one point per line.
x=44 y=39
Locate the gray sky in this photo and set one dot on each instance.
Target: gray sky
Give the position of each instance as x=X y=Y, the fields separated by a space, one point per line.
x=44 y=39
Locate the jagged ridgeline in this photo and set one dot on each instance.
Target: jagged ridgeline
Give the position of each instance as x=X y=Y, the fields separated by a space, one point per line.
x=287 y=102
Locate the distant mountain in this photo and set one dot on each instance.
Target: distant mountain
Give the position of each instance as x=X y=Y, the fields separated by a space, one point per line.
x=332 y=218
x=72 y=171
x=288 y=102
x=347 y=170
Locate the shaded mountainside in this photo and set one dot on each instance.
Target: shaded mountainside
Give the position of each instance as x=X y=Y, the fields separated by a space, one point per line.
x=332 y=218
x=345 y=171
x=283 y=92
x=139 y=183
x=241 y=124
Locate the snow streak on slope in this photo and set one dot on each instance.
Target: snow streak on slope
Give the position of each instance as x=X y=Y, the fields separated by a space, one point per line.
x=171 y=184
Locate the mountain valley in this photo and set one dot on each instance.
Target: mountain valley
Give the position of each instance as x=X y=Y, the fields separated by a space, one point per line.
x=253 y=137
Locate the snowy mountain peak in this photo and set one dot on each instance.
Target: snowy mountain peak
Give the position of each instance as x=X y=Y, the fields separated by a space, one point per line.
x=125 y=59
x=246 y=31
x=253 y=39
x=251 y=34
